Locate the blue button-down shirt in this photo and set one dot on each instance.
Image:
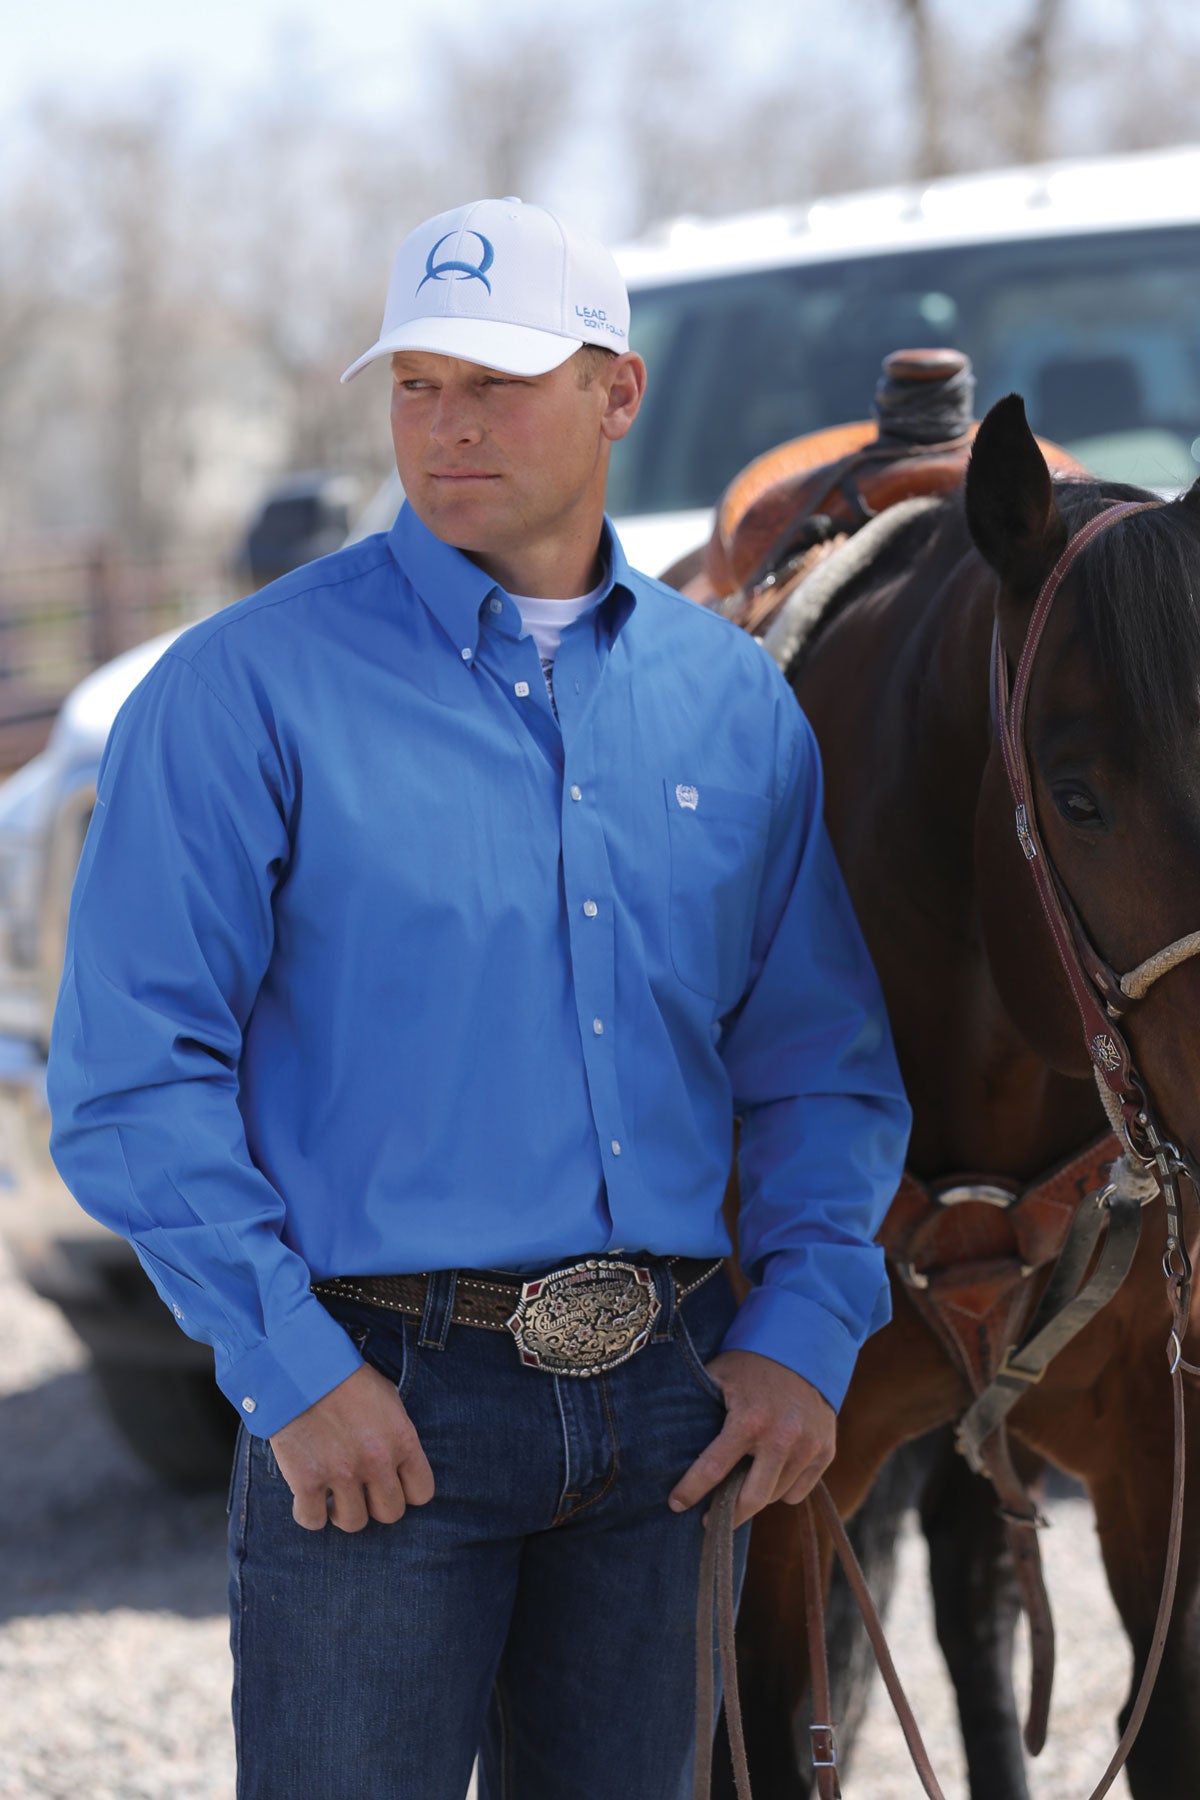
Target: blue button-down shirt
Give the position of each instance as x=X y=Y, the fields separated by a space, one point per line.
x=375 y=966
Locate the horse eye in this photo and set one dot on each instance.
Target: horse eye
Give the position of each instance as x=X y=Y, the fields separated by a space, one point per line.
x=1077 y=806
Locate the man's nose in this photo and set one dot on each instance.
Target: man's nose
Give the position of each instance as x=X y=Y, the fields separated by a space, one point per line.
x=456 y=419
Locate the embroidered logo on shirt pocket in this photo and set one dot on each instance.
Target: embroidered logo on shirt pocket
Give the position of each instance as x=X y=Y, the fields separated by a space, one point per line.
x=718 y=840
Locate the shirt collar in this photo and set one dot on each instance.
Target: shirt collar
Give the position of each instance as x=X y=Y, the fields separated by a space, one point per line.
x=454 y=588
x=622 y=595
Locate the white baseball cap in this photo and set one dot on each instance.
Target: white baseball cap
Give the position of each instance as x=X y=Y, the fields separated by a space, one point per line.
x=503 y=284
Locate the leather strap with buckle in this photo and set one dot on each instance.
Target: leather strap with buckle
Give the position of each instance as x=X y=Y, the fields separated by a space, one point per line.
x=581 y=1319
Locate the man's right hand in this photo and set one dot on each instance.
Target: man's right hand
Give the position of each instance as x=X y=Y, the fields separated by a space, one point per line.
x=353 y=1456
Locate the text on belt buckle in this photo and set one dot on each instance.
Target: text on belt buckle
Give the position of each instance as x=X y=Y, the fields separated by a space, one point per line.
x=585 y=1319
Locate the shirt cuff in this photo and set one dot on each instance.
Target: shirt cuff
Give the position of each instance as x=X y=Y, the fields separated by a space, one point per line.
x=803 y=1336
x=290 y=1371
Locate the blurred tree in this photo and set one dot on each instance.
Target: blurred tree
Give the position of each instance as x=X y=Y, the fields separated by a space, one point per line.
x=980 y=99
x=125 y=307
x=1027 y=80
x=929 y=83
x=287 y=197
x=1034 y=70
x=177 y=299
x=31 y=239
x=1139 y=84
x=498 y=115
x=705 y=137
x=308 y=207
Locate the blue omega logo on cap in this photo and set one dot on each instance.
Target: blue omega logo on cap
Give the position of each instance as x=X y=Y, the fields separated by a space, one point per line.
x=458 y=271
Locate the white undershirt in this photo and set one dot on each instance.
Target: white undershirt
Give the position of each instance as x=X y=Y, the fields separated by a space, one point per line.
x=546 y=620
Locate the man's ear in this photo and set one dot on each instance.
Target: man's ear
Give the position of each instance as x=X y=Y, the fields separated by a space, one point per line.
x=1012 y=515
x=626 y=377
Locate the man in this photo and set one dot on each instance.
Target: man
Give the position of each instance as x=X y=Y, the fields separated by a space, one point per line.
x=443 y=903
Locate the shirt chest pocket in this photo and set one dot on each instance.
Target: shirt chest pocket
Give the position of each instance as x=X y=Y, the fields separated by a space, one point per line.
x=718 y=839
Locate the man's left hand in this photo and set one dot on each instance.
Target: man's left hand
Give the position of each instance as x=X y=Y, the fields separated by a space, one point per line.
x=774 y=1416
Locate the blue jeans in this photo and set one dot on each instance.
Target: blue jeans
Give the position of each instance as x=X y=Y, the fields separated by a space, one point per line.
x=539 y=1611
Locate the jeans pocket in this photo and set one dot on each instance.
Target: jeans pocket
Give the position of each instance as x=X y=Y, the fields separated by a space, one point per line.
x=391 y=1349
x=233 y=1495
x=701 y=1322
x=238 y=1507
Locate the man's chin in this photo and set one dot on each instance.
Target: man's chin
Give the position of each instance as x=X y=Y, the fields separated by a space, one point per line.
x=478 y=527
x=449 y=513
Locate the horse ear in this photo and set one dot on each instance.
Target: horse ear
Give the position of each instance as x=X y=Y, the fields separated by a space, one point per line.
x=1191 y=500
x=1011 y=512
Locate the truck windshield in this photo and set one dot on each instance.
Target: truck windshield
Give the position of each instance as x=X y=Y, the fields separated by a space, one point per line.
x=1100 y=332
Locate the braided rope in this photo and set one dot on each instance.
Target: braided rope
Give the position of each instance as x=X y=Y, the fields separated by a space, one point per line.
x=1139 y=980
x=1136 y=1180
x=809 y=601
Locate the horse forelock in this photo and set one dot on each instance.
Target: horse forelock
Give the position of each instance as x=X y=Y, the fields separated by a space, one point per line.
x=1137 y=589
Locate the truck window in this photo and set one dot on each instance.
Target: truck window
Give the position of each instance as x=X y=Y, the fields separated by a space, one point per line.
x=1099 y=331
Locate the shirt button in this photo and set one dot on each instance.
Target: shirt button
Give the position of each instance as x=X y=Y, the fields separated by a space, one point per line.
x=495 y=606
x=576 y=793
x=616 y=1148
x=590 y=909
x=598 y=1027
x=178 y=1311
x=249 y=1405
x=521 y=690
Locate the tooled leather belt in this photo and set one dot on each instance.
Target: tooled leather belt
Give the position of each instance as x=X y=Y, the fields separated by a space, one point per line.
x=581 y=1319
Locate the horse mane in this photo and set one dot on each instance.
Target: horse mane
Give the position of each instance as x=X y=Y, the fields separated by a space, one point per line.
x=1140 y=622
x=1141 y=619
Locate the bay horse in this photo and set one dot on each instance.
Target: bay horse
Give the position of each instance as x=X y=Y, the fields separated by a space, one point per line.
x=896 y=683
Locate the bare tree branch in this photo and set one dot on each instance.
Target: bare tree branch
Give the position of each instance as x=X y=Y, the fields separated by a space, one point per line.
x=1034 y=76
x=930 y=155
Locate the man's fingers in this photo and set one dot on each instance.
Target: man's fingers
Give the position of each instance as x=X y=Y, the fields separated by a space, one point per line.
x=353 y=1456
x=311 y=1509
x=803 y=1484
x=409 y=1484
x=348 y=1508
x=345 y=1506
x=760 y=1487
x=388 y=1487
x=772 y=1474
x=416 y=1474
x=763 y=1481
x=708 y=1471
x=386 y=1499
x=383 y=1495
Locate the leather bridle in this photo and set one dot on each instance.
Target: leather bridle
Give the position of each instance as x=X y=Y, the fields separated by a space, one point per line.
x=1101 y=995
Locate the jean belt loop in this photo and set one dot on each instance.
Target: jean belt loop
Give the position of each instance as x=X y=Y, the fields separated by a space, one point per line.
x=439 y=1305
x=664 y=1283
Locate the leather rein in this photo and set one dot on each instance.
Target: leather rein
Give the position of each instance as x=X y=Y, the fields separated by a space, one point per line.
x=1102 y=998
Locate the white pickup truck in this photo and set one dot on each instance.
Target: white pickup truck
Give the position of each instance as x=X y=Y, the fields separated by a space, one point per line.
x=1072 y=283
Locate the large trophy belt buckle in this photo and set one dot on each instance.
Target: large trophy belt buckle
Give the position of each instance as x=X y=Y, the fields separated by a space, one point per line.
x=585 y=1319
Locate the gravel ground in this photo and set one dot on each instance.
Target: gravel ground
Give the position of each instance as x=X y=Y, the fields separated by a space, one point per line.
x=114 y=1663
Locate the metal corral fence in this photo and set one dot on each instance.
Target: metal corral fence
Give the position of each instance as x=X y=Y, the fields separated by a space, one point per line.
x=64 y=612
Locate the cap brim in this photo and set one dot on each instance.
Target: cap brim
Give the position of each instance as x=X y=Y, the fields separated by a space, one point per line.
x=513 y=349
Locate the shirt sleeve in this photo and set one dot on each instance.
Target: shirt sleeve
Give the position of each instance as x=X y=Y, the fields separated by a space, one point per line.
x=824 y=1119
x=169 y=936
